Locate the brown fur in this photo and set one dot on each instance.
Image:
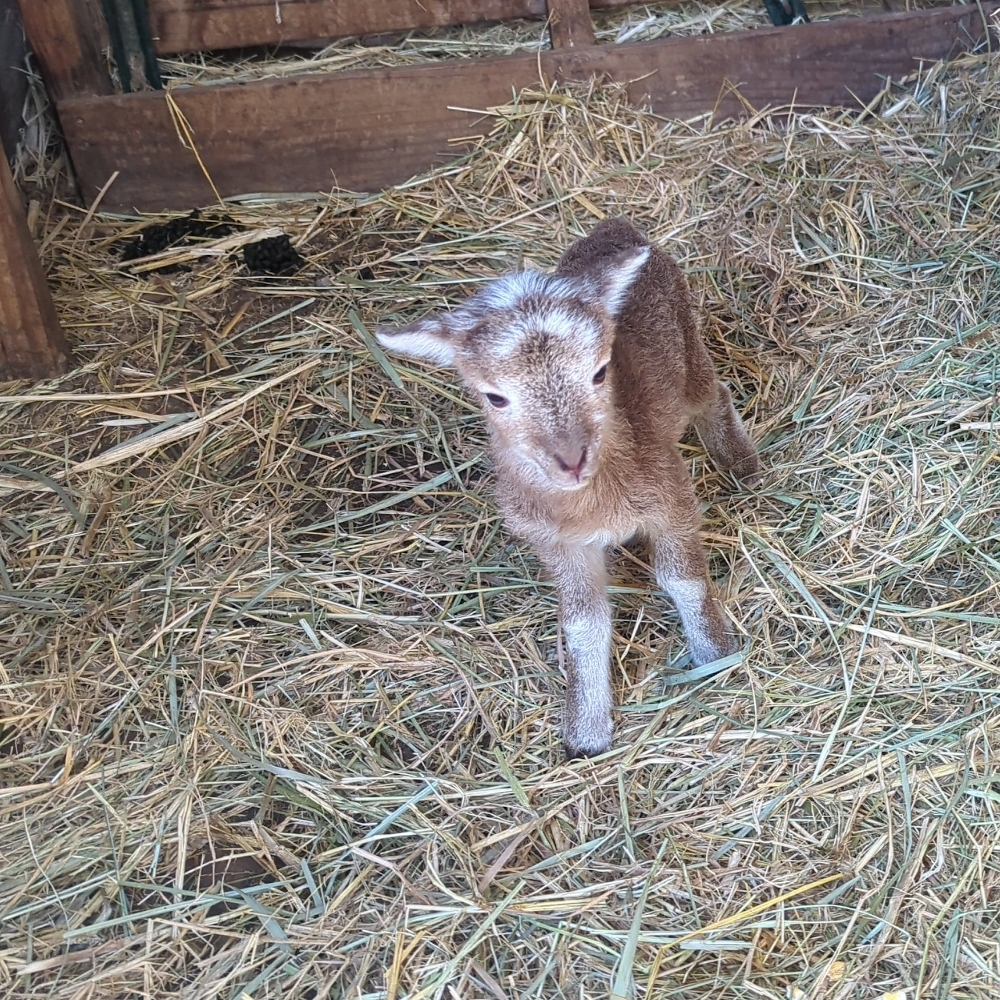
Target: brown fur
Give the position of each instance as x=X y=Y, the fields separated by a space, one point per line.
x=582 y=465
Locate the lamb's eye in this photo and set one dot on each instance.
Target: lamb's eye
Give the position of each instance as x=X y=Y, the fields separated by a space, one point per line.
x=600 y=375
x=498 y=401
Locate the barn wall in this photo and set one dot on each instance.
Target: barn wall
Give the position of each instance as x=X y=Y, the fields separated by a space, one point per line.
x=13 y=83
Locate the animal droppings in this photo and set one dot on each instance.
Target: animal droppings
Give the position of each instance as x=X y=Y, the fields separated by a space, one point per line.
x=177 y=232
x=272 y=256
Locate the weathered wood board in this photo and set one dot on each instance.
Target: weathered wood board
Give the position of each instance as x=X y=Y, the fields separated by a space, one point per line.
x=32 y=344
x=570 y=24
x=192 y=25
x=69 y=38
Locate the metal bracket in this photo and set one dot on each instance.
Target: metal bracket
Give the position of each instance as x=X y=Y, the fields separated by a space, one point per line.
x=130 y=34
x=794 y=13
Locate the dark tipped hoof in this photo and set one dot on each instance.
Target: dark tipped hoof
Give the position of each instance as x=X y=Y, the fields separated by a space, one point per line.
x=717 y=669
x=578 y=753
x=748 y=471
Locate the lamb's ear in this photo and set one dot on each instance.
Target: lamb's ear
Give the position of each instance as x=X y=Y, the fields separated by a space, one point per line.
x=432 y=338
x=613 y=281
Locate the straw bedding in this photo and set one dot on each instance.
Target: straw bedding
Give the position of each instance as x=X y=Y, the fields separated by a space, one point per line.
x=279 y=698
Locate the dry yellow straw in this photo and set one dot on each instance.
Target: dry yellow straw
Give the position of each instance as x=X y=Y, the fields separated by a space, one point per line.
x=186 y=135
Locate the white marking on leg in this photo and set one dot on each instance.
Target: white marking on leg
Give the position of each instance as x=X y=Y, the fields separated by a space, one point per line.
x=585 y=621
x=690 y=597
x=589 y=642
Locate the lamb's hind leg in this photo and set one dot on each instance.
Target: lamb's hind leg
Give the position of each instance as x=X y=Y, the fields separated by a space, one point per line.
x=585 y=617
x=726 y=438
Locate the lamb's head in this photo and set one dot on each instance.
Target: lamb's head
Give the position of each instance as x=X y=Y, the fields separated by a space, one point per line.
x=537 y=349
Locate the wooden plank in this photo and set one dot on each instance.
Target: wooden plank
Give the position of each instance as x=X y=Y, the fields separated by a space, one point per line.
x=570 y=24
x=32 y=344
x=192 y=25
x=370 y=128
x=68 y=37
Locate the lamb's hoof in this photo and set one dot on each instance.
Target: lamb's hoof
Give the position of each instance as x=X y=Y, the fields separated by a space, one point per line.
x=747 y=471
x=585 y=750
x=587 y=734
x=581 y=753
x=718 y=662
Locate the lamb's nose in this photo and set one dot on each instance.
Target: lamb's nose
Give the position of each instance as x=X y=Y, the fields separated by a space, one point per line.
x=576 y=469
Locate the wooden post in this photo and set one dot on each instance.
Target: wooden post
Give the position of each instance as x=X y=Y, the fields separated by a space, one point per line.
x=32 y=344
x=68 y=37
x=570 y=24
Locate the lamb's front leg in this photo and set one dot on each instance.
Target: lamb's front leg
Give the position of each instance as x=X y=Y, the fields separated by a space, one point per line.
x=585 y=618
x=682 y=571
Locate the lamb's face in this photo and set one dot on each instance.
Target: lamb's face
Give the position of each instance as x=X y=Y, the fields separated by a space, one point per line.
x=537 y=350
x=541 y=367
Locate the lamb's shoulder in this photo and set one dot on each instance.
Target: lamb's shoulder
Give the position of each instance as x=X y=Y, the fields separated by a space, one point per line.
x=659 y=348
x=590 y=254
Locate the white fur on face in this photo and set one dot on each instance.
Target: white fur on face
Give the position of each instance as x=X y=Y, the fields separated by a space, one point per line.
x=554 y=409
x=509 y=291
x=537 y=341
x=552 y=319
x=528 y=303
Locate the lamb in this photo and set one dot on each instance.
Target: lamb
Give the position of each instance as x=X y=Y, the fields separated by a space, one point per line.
x=589 y=377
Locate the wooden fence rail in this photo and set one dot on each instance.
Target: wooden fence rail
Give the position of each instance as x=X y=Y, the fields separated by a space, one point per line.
x=191 y=25
x=365 y=129
x=32 y=344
